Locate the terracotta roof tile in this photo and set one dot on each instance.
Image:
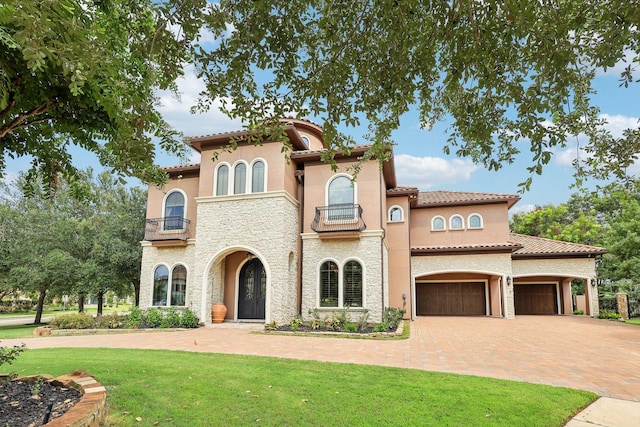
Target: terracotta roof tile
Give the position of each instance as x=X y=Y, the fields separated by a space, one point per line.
x=457 y=198
x=540 y=247
x=472 y=247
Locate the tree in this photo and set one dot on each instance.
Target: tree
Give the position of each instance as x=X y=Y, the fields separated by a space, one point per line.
x=56 y=244
x=84 y=72
x=622 y=260
x=507 y=72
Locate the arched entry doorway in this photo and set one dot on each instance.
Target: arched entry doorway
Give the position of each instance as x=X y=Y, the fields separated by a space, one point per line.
x=252 y=290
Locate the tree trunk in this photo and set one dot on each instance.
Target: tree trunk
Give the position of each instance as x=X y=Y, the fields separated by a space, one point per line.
x=100 y=302
x=81 y=302
x=41 y=295
x=136 y=292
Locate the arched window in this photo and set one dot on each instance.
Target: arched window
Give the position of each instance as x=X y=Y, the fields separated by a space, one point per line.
x=475 y=221
x=178 y=285
x=174 y=211
x=437 y=223
x=329 y=284
x=396 y=214
x=160 y=283
x=306 y=141
x=352 y=284
x=341 y=199
x=222 y=180
x=257 y=177
x=456 y=222
x=240 y=179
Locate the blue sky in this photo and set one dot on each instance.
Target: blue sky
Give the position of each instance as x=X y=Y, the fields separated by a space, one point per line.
x=420 y=160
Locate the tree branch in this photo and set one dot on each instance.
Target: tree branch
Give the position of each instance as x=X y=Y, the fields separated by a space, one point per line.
x=18 y=121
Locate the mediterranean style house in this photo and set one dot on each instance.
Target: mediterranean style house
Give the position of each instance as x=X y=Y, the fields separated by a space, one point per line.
x=273 y=235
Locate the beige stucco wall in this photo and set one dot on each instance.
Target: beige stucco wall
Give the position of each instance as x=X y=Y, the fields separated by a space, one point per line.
x=495 y=225
x=156 y=196
x=399 y=255
x=367 y=250
x=367 y=194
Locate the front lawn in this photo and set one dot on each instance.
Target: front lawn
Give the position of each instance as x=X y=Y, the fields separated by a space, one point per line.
x=634 y=321
x=175 y=388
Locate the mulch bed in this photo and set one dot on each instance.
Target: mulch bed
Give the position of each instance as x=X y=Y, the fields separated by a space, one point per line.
x=24 y=404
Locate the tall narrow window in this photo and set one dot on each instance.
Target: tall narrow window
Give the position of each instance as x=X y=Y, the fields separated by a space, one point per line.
x=257 y=177
x=341 y=199
x=178 y=285
x=174 y=211
x=160 y=283
x=240 y=179
x=329 y=284
x=222 y=181
x=352 y=284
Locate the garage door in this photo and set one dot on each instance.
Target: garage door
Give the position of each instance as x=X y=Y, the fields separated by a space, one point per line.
x=450 y=299
x=535 y=299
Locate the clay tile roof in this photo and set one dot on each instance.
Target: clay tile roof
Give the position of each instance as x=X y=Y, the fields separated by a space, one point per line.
x=456 y=198
x=191 y=166
x=402 y=189
x=468 y=248
x=538 y=247
x=356 y=150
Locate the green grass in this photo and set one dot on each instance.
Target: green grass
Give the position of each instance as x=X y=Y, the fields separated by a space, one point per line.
x=16 y=331
x=186 y=389
x=122 y=308
x=634 y=321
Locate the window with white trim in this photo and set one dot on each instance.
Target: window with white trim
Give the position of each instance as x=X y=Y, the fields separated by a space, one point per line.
x=456 y=222
x=178 y=290
x=341 y=199
x=257 y=177
x=438 y=223
x=341 y=287
x=240 y=178
x=475 y=221
x=222 y=180
x=174 y=211
x=396 y=214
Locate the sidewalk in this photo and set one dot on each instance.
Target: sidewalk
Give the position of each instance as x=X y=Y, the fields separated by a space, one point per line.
x=607 y=412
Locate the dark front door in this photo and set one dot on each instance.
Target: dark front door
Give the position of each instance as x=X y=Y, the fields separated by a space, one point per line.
x=253 y=289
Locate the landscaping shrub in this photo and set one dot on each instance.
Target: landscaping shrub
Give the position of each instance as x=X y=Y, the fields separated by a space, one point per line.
x=381 y=327
x=9 y=354
x=110 y=321
x=608 y=314
x=578 y=312
x=153 y=318
x=393 y=316
x=188 y=319
x=134 y=319
x=73 y=321
x=171 y=319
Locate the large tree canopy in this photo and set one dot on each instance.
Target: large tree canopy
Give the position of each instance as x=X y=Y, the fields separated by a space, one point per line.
x=514 y=75
x=84 y=72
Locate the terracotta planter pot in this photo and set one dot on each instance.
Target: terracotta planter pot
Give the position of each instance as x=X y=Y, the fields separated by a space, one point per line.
x=218 y=312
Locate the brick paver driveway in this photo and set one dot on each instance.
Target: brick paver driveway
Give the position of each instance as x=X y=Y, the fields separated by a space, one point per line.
x=591 y=354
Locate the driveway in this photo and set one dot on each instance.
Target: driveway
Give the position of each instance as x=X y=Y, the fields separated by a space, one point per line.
x=578 y=352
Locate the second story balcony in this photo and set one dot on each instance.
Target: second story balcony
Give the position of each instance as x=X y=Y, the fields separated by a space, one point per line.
x=167 y=229
x=336 y=218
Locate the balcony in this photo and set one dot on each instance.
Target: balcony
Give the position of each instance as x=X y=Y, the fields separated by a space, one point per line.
x=170 y=228
x=338 y=218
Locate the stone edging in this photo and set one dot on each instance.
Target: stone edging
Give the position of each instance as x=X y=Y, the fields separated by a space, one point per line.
x=398 y=332
x=45 y=331
x=89 y=411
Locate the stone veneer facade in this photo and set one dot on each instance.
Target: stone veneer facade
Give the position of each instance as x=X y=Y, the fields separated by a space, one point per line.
x=251 y=223
x=367 y=249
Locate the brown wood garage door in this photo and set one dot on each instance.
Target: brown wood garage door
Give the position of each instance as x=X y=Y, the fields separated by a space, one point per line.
x=450 y=299
x=535 y=299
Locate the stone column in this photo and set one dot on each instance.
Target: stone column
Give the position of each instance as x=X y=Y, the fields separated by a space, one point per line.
x=623 y=306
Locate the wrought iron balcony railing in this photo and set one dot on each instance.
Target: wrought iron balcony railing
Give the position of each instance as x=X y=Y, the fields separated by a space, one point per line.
x=343 y=217
x=167 y=228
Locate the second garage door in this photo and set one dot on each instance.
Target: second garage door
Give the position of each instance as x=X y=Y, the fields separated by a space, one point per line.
x=535 y=299
x=451 y=299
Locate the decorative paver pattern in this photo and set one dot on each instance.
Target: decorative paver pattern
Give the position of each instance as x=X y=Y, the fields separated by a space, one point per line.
x=572 y=351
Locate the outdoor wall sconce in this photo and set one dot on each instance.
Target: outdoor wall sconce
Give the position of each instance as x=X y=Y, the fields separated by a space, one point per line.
x=593 y=282
x=509 y=280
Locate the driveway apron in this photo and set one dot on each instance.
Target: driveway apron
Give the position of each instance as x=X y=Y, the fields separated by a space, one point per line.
x=578 y=352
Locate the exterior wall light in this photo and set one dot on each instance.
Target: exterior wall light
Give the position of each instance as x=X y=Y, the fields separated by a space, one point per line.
x=593 y=282
x=509 y=280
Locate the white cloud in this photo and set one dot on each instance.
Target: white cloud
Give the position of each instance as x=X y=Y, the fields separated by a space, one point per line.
x=428 y=172
x=619 y=66
x=177 y=111
x=521 y=209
